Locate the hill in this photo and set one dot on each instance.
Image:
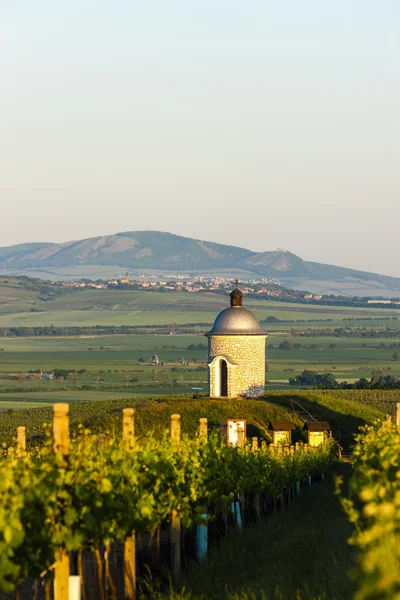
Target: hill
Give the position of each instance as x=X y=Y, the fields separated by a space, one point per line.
x=152 y=251
x=153 y=414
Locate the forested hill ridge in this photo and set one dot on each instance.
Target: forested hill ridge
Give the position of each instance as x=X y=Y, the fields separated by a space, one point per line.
x=145 y=251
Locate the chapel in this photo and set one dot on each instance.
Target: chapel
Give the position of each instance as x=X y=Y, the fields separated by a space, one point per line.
x=236 y=352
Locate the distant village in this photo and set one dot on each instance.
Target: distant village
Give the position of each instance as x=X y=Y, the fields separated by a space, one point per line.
x=264 y=288
x=184 y=283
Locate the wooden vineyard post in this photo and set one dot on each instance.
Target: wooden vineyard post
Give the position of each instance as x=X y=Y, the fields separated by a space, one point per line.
x=61 y=445
x=254 y=448
x=286 y=450
x=307 y=449
x=279 y=451
x=128 y=426
x=128 y=434
x=202 y=530
x=292 y=451
x=21 y=441
x=240 y=506
x=175 y=531
x=203 y=428
x=298 y=448
x=398 y=414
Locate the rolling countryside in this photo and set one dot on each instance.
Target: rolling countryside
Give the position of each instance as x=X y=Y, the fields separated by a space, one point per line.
x=348 y=342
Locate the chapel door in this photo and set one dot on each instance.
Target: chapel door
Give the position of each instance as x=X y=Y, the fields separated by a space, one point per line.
x=224 y=378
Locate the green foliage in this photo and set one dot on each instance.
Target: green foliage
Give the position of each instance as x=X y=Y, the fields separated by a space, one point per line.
x=301 y=554
x=61 y=373
x=102 y=492
x=312 y=378
x=288 y=345
x=197 y=347
x=374 y=508
x=378 y=380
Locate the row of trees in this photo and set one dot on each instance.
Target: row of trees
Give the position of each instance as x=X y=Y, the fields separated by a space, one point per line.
x=55 y=330
x=288 y=345
x=378 y=381
x=357 y=332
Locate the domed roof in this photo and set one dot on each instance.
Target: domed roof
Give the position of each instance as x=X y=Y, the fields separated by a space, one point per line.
x=236 y=320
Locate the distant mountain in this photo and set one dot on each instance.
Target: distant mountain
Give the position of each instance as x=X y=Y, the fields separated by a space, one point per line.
x=145 y=251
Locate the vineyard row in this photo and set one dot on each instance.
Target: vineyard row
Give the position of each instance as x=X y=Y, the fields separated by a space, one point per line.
x=373 y=506
x=82 y=494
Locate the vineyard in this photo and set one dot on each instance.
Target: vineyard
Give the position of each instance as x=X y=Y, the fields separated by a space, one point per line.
x=348 y=408
x=345 y=412
x=374 y=508
x=153 y=414
x=381 y=400
x=70 y=498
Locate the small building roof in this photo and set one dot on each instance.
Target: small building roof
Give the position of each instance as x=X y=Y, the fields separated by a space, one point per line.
x=281 y=426
x=317 y=426
x=236 y=320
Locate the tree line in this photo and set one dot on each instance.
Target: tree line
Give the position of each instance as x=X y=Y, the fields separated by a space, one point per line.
x=326 y=381
x=56 y=331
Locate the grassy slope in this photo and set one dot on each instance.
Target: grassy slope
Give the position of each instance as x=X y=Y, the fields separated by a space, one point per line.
x=29 y=400
x=344 y=416
x=152 y=415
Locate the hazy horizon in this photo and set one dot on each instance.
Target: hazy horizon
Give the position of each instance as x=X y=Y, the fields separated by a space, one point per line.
x=266 y=125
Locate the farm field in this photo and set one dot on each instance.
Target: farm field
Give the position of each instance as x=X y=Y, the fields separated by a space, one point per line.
x=122 y=364
x=24 y=307
x=119 y=364
x=159 y=315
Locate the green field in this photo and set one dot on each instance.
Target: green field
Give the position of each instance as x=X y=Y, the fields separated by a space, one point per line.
x=119 y=365
x=63 y=307
x=122 y=364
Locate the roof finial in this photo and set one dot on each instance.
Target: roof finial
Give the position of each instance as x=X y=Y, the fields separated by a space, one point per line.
x=236 y=295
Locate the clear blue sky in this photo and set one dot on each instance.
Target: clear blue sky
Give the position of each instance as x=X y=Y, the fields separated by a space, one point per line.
x=264 y=124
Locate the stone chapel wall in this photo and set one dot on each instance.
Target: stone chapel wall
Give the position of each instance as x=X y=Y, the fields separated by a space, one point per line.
x=248 y=353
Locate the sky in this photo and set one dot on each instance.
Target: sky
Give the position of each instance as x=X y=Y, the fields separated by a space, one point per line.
x=260 y=124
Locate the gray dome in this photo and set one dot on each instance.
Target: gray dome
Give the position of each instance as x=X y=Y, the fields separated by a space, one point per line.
x=236 y=320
